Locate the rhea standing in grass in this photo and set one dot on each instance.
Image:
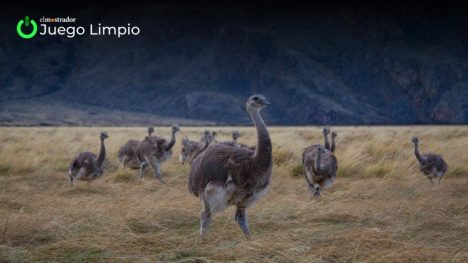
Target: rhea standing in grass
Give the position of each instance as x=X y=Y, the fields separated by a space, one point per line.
x=191 y=149
x=320 y=164
x=225 y=174
x=127 y=152
x=86 y=166
x=154 y=150
x=432 y=165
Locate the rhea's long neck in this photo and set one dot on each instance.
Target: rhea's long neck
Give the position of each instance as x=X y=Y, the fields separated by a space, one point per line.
x=102 y=154
x=327 y=144
x=262 y=154
x=332 y=148
x=171 y=143
x=418 y=155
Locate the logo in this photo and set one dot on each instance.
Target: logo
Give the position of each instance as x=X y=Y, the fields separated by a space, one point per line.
x=67 y=27
x=26 y=23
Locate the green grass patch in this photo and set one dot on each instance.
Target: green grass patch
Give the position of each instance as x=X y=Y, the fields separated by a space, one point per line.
x=5 y=169
x=297 y=170
x=456 y=172
x=347 y=170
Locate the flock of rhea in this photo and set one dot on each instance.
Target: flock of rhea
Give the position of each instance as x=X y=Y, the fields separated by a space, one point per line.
x=230 y=173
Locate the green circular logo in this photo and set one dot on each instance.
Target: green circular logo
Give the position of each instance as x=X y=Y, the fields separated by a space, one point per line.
x=27 y=23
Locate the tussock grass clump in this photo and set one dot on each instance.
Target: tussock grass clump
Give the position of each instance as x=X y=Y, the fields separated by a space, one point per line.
x=4 y=169
x=380 y=209
x=297 y=170
x=347 y=169
x=125 y=176
x=139 y=227
x=457 y=171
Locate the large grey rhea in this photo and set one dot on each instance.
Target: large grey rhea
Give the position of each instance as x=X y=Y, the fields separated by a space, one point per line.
x=225 y=174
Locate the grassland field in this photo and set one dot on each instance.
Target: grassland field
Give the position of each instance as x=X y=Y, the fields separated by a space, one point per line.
x=380 y=209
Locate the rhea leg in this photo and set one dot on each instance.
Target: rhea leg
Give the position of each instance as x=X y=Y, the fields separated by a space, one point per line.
x=317 y=191
x=155 y=164
x=241 y=219
x=430 y=179
x=205 y=217
x=124 y=159
x=71 y=180
x=143 y=166
x=80 y=173
x=440 y=177
x=309 y=179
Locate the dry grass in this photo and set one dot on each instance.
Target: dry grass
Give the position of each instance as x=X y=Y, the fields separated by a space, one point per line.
x=379 y=210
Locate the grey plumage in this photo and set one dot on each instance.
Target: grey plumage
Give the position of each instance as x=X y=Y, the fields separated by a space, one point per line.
x=320 y=165
x=432 y=165
x=153 y=151
x=86 y=166
x=191 y=149
x=326 y=131
x=333 y=136
x=235 y=136
x=225 y=174
x=127 y=152
x=150 y=131
x=210 y=136
x=234 y=143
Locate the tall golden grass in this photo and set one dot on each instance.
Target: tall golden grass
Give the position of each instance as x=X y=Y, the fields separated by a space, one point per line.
x=380 y=209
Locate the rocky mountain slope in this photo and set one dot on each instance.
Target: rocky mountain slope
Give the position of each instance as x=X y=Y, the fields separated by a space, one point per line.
x=328 y=63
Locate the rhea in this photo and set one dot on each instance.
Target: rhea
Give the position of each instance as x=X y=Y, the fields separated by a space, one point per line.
x=320 y=165
x=211 y=136
x=235 y=136
x=86 y=166
x=191 y=149
x=327 y=145
x=225 y=175
x=127 y=152
x=154 y=150
x=432 y=165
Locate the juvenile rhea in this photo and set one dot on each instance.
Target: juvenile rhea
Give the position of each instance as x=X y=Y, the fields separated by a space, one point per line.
x=154 y=150
x=432 y=165
x=86 y=166
x=127 y=152
x=320 y=165
x=235 y=136
x=225 y=175
x=210 y=136
x=191 y=149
